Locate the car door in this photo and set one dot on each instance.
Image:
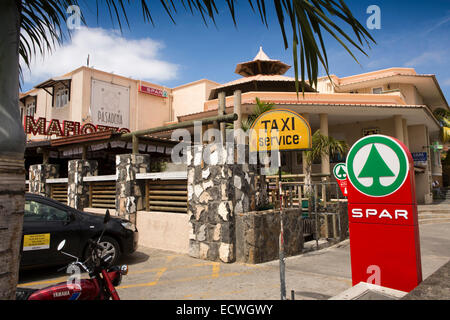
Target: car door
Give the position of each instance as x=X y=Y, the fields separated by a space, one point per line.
x=46 y=224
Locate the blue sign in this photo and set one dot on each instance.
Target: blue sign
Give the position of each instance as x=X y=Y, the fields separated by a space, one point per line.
x=419 y=156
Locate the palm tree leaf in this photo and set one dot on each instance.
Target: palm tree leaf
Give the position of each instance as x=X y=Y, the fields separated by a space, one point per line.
x=324 y=145
x=43 y=22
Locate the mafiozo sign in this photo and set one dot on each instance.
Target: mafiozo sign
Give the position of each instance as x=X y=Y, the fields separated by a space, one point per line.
x=67 y=128
x=383 y=221
x=280 y=129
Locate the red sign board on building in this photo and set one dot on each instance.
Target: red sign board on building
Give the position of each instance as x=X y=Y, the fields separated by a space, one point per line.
x=382 y=207
x=153 y=91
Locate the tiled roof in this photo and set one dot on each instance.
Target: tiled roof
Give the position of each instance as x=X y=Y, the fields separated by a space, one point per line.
x=384 y=77
x=259 y=77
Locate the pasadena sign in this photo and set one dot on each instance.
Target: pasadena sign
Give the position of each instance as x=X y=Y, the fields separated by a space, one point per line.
x=68 y=128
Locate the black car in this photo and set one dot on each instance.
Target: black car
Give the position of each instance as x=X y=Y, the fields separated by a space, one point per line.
x=47 y=222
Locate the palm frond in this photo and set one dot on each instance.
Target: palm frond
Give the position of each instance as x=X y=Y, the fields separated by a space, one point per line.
x=324 y=145
x=442 y=115
x=43 y=26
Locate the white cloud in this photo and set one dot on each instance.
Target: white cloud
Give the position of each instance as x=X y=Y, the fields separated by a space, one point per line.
x=109 y=51
x=446 y=82
x=426 y=58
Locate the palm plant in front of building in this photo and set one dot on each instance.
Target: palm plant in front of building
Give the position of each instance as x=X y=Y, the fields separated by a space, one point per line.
x=322 y=145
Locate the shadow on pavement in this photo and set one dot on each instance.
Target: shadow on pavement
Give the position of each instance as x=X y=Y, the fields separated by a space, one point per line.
x=134 y=258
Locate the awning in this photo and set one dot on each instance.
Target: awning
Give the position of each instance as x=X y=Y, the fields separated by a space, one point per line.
x=55 y=80
x=29 y=95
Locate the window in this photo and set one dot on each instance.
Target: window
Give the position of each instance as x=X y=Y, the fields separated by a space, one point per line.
x=36 y=211
x=370 y=131
x=377 y=90
x=336 y=158
x=31 y=108
x=61 y=97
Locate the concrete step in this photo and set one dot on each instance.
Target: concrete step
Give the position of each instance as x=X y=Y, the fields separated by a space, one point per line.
x=434 y=211
x=434 y=220
x=437 y=211
x=433 y=216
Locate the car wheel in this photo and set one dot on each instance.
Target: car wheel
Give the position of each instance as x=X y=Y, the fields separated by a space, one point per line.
x=111 y=247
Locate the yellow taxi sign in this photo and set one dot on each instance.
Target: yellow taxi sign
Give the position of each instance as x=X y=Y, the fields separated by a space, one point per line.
x=280 y=129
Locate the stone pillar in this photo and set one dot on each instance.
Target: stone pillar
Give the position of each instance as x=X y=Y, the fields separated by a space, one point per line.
x=217 y=191
x=77 y=189
x=130 y=192
x=398 y=127
x=38 y=175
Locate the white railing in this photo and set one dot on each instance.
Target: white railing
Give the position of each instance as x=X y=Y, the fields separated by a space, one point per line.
x=57 y=180
x=111 y=177
x=175 y=175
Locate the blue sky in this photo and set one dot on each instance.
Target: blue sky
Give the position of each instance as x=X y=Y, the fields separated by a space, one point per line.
x=413 y=34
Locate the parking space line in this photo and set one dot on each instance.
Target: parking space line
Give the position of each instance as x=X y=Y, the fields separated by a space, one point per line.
x=36 y=283
x=215 y=270
x=159 y=275
x=186 y=266
x=188 y=279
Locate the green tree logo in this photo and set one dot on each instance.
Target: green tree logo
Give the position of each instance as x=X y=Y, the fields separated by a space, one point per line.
x=375 y=168
x=377 y=165
x=340 y=172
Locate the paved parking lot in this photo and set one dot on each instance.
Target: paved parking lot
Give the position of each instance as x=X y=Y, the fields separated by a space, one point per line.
x=156 y=274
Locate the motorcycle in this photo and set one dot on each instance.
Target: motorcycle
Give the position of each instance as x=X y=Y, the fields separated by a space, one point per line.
x=101 y=283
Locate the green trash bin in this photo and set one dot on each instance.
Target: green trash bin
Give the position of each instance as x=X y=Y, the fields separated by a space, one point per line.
x=305 y=204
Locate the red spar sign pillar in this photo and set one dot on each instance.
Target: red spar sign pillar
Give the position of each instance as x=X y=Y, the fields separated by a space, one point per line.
x=382 y=208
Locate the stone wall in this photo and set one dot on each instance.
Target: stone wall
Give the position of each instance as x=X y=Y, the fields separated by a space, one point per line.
x=217 y=192
x=130 y=191
x=38 y=174
x=257 y=235
x=77 y=189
